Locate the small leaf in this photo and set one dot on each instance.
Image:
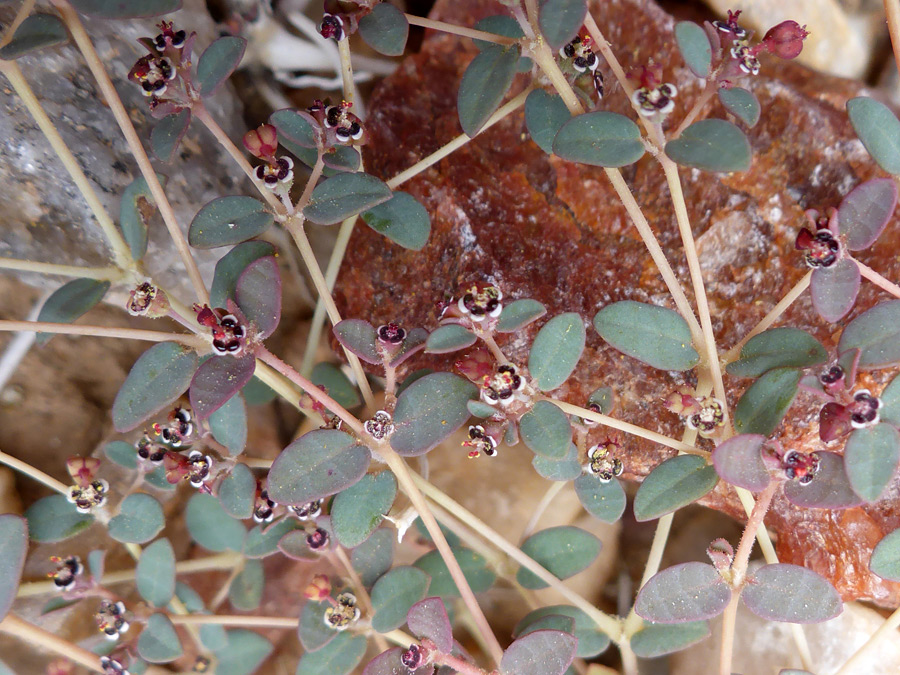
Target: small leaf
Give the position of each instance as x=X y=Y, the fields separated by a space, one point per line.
x=890 y=402
x=358 y=511
x=474 y=568
x=258 y=294
x=133 y=214
x=603 y=500
x=229 y=220
x=413 y=344
x=243 y=654
x=166 y=136
x=506 y=26
x=126 y=9
x=518 y=314
x=740 y=103
x=693 y=44
x=778 y=348
x=159 y=642
x=876 y=333
x=394 y=594
x=69 y=302
x=265 y=539
x=96 y=563
x=296 y=127
x=231 y=266
x=544 y=652
x=885 y=560
x=344 y=195
x=830 y=488
x=560 y=20
x=428 y=411
x=834 y=289
x=688 y=592
x=544 y=116
x=140 y=519
x=316 y=465
x=878 y=129
x=121 y=453
x=402 y=218
x=480 y=410
x=428 y=619
x=218 y=62
x=155 y=574
x=311 y=630
x=385 y=29
x=13 y=547
x=449 y=338
x=739 y=461
x=866 y=211
x=556 y=350
x=565 y=469
x=545 y=429
x=359 y=337
x=217 y=380
x=245 y=592
x=38 y=31
x=563 y=551
x=237 y=492
x=654 y=335
x=766 y=401
x=484 y=84
x=211 y=527
x=54 y=518
x=374 y=556
x=711 y=145
x=591 y=641
x=600 y=139
x=339 y=387
x=228 y=425
x=791 y=593
x=339 y=657
x=871 y=457
x=387 y=663
x=675 y=483
x=655 y=640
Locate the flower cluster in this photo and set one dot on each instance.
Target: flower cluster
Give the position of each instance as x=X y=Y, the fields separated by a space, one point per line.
x=67 y=571
x=653 y=98
x=163 y=74
x=178 y=430
x=820 y=244
x=341 y=126
x=88 y=492
x=415 y=657
x=603 y=463
x=343 y=613
x=705 y=414
x=784 y=41
x=276 y=173
x=318 y=589
x=847 y=410
x=380 y=426
x=110 y=618
x=580 y=50
x=148 y=300
x=308 y=511
x=228 y=331
x=480 y=301
x=481 y=442
x=194 y=468
x=502 y=386
x=800 y=466
x=263 y=507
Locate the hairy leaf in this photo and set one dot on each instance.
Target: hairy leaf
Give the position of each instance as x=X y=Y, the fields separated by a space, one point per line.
x=834 y=289
x=139 y=520
x=563 y=551
x=693 y=44
x=778 y=348
x=155 y=574
x=385 y=29
x=878 y=129
x=544 y=652
x=871 y=457
x=791 y=593
x=402 y=218
x=428 y=411
x=69 y=302
x=229 y=220
x=876 y=333
x=688 y=592
x=394 y=594
x=484 y=84
x=739 y=461
x=866 y=211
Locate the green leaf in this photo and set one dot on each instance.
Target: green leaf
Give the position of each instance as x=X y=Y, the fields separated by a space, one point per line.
x=603 y=500
x=96 y=563
x=474 y=568
x=243 y=654
x=297 y=127
x=876 y=332
x=694 y=46
x=393 y=595
x=166 y=136
x=506 y=26
x=560 y=20
x=871 y=457
x=258 y=294
x=156 y=380
x=591 y=641
x=545 y=429
x=155 y=574
x=791 y=593
x=691 y=591
x=36 y=32
x=211 y=527
x=229 y=220
x=878 y=129
x=544 y=652
x=217 y=380
x=740 y=103
x=245 y=592
x=866 y=211
x=339 y=387
x=479 y=409
x=157 y=479
x=563 y=551
x=126 y=9
x=890 y=402
x=565 y=469
x=311 y=630
x=264 y=539
x=711 y=145
x=359 y=510
x=316 y=465
x=121 y=453
x=766 y=401
x=519 y=313
x=428 y=411
x=134 y=210
x=140 y=519
x=834 y=289
x=374 y=556
x=69 y=302
x=344 y=195
x=359 y=337
x=885 y=560
x=449 y=338
x=228 y=425
x=657 y=336
x=218 y=62
x=231 y=266
x=484 y=84
x=655 y=640
x=544 y=116
x=556 y=350
x=385 y=29
x=237 y=492
x=600 y=139
x=339 y=657
x=675 y=483
x=13 y=547
x=54 y=518
x=402 y=218
x=778 y=348
x=739 y=461
x=159 y=642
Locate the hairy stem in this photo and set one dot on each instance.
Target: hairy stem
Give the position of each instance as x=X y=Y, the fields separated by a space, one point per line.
x=194 y=341
x=99 y=273
x=462 y=667
x=459 y=30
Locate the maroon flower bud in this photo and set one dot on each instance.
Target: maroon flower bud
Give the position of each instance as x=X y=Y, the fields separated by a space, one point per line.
x=262 y=142
x=413 y=658
x=785 y=40
x=799 y=466
x=317 y=539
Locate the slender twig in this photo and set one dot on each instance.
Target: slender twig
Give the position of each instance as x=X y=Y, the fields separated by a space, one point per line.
x=101 y=331
x=607 y=53
x=555 y=488
x=892 y=10
x=33 y=635
x=235 y=620
x=711 y=87
x=311 y=184
x=887 y=629
x=24 y=10
x=877 y=279
x=457 y=664
x=459 y=30
x=30 y=471
x=99 y=273
x=351 y=94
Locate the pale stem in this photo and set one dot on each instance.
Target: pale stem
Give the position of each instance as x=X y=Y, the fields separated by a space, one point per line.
x=729 y=620
x=494 y=348
x=311 y=184
x=436 y=156
x=886 y=630
x=399 y=638
x=607 y=53
x=194 y=341
x=351 y=94
x=120 y=250
x=21 y=15
x=235 y=620
x=284 y=388
x=359 y=590
x=547 y=63
x=766 y=322
x=892 y=10
x=99 y=273
x=629 y=660
x=555 y=488
x=30 y=471
x=76 y=28
x=225 y=588
x=460 y=666
x=459 y=30
x=33 y=635
x=877 y=279
x=711 y=86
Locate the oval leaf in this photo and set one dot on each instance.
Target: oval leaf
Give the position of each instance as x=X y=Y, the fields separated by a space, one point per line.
x=565 y=469
x=885 y=560
x=688 y=592
x=218 y=62
x=229 y=220
x=231 y=266
x=155 y=574
x=374 y=556
x=449 y=338
x=556 y=350
x=604 y=501
x=159 y=642
x=474 y=568
x=167 y=134
x=600 y=139
x=830 y=488
x=711 y=145
x=871 y=457
x=394 y=594
x=54 y=518
x=134 y=210
x=876 y=333
x=359 y=337
x=778 y=348
x=311 y=630
x=655 y=640
x=13 y=547
x=563 y=551
x=791 y=593
x=228 y=425
x=70 y=301
x=560 y=20
x=834 y=289
x=339 y=657
x=866 y=211
x=217 y=380
x=428 y=411
x=591 y=641
x=693 y=44
x=544 y=652
x=428 y=619
x=739 y=461
x=484 y=84
x=402 y=218
x=344 y=195
x=339 y=387
x=674 y=483
x=766 y=401
x=243 y=653
x=265 y=539
x=126 y=9
x=140 y=519
x=545 y=429
x=545 y=114
x=655 y=335
x=740 y=103
x=237 y=492
x=878 y=129
x=385 y=29
x=387 y=663
x=316 y=465
x=359 y=510
x=890 y=402
x=211 y=527
x=258 y=294
x=518 y=314
x=36 y=32
x=246 y=589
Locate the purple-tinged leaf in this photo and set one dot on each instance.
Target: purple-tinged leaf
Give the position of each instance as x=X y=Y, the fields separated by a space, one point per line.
x=359 y=337
x=871 y=457
x=258 y=294
x=387 y=663
x=167 y=134
x=876 y=332
x=449 y=338
x=298 y=127
x=591 y=641
x=834 y=421
x=566 y=624
x=394 y=594
x=885 y=560
x=126 y=9
x=738 y=461
x=791 y=593
x=878 y=129
x=13 y=546
x=413 y=344
x=544 y=652
x=428 y=411
x=428 y=619
x=218 y=62
x=829 y=489
x=688 y=592
x=834 y=289
x=217 y=380
x=655 y=640
x=866 y=211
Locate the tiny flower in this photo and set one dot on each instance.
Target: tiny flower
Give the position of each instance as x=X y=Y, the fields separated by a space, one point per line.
x=480 y=301
x=169 y=37
x=200 y=465
x=721 y=553
x=308 y=511
x=380 y=426
x=602 y=463
x=178 y=430
x=731 y=27
x=263 y=508
x=785 y=40
x=150 y=451
x=347 y=126
x=653 y=97
x=710 y=416
x=110 y=618
x=67 y=571
x=343 y=613
x=88 y=497
x=682 y=402
x=480 y=442
x=582 y=55
x=153 y=73
x=148 y=300
x=201 y=664
x=864 y=409
x=598 y=84
x=593 y=407
x=822 y=248
x=82 y=469
x=799 y=466
x=318 y=589
x=833 y=379
x=746 y=58
x=228 y=332
x=332 y=26
x=391 y=334
x=276 y=173
x=317 y=539
x=113 y=666
x=262 y=142
x=502 y=386
x=415 y=657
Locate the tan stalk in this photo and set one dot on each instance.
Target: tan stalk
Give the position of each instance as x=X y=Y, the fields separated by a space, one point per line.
x=459 y=30
x=194 y=341
x=24 y=10
x=99 y=273
x=36 y=474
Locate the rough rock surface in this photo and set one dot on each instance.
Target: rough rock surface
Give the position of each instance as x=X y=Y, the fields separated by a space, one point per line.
x=505 y=212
